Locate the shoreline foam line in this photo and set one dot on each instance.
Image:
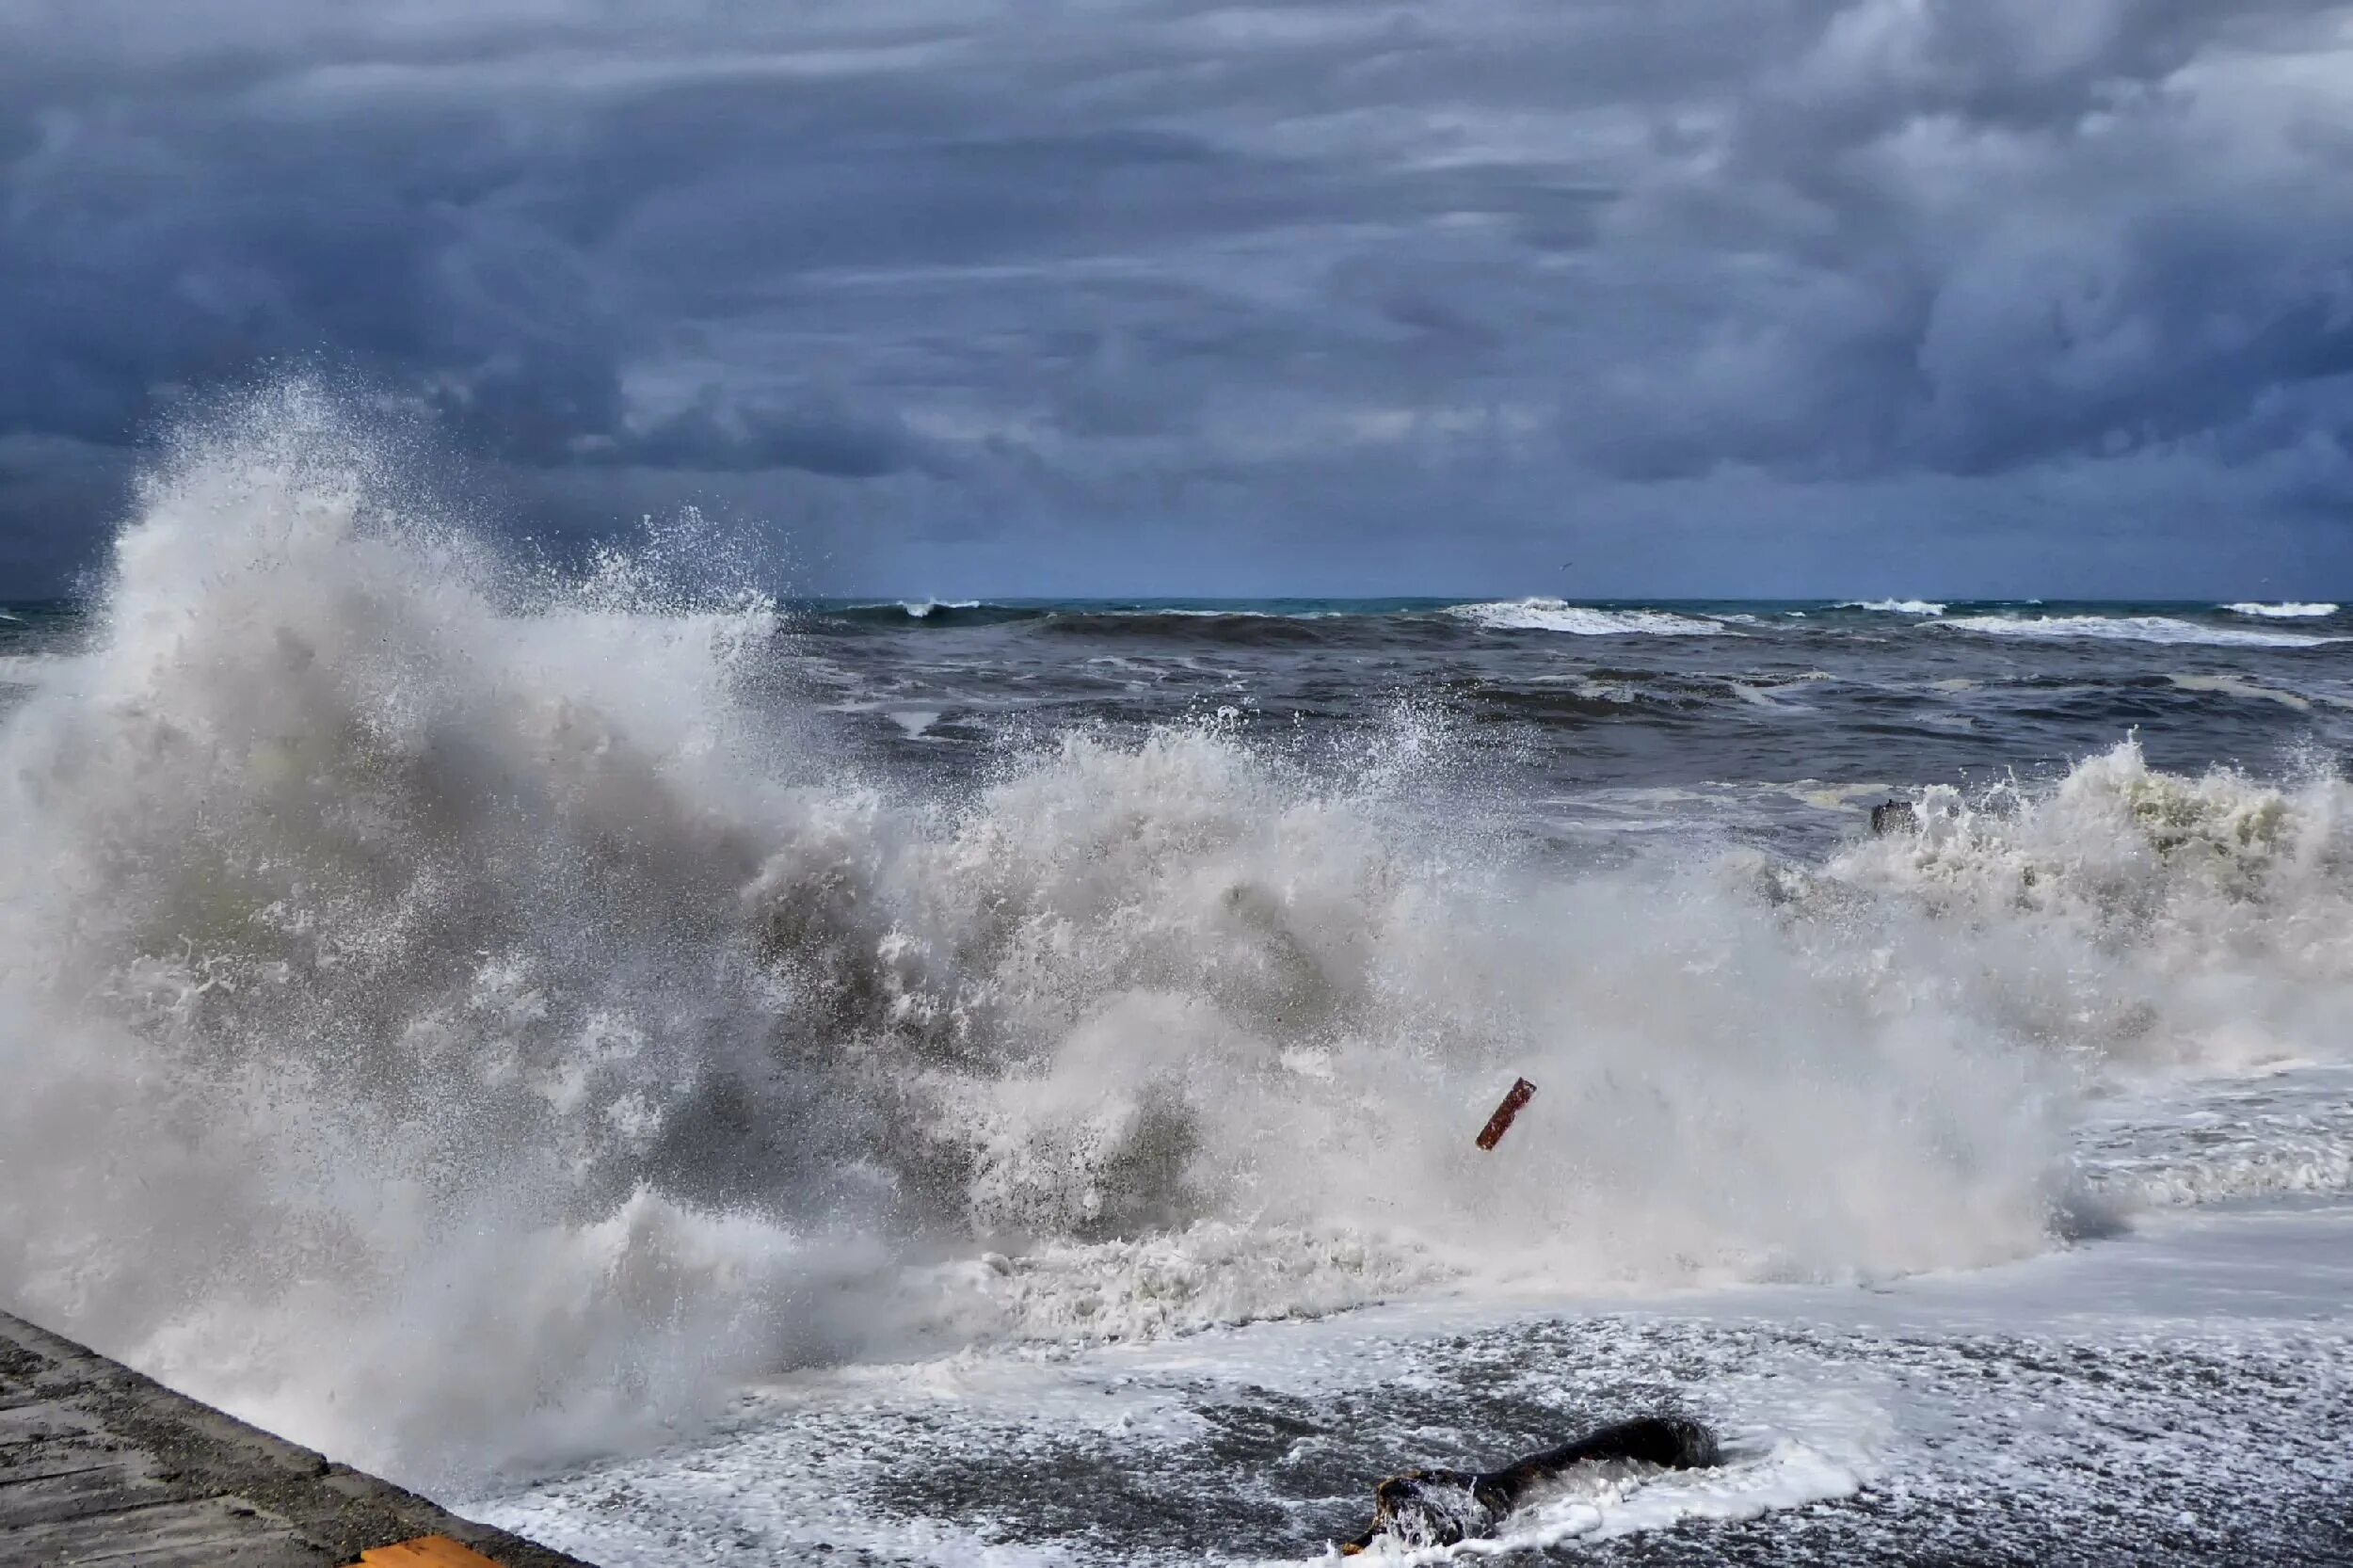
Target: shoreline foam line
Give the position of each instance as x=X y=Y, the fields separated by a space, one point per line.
x=99 y=1461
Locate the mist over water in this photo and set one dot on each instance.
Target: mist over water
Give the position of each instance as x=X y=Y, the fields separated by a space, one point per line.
x=457 y=1012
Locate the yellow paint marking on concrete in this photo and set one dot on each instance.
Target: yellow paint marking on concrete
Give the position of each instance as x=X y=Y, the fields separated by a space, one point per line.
x=426 y=1551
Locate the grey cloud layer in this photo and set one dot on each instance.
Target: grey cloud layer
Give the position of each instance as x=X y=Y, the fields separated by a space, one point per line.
x=1296 y=272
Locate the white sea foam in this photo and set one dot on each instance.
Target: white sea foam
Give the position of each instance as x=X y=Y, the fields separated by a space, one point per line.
x=921 y=609
x=1553 y=614
x=2289 y=610
x=2059 y=1403
x=449 y=1020
x=915 y=721
x=2134 y=628
x=1791 y=1473
x=2285 y=1133
x=1895 y=606
x=2204 y=920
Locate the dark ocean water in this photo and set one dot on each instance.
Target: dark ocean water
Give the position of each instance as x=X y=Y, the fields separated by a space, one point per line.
x=1740 y=706
x=1576 y=698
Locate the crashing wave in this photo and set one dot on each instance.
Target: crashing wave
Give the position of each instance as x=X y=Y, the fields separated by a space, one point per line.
x=453 y=1013
x=2205 y=919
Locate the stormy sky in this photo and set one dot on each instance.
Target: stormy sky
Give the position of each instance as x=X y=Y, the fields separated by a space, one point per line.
x=1132 y=296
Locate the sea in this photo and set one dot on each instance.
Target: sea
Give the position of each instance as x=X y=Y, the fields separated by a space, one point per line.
x=697 y=1075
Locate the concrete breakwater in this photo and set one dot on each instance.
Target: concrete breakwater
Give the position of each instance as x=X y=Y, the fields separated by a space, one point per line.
x=101 y=1465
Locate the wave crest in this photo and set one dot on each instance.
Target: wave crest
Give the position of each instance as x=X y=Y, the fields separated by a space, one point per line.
x=2289 y=610
x=1553 y=614
x=2200 y=921
x=1894 y=606
x=2135 y=629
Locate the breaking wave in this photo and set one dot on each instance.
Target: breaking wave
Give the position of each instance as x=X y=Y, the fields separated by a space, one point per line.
x=2201 y=921
x=1553 y=614
x=1193 y=628
x=1894 y=606
x=2281 y=612
x=453 y=1013
x=2136 y=629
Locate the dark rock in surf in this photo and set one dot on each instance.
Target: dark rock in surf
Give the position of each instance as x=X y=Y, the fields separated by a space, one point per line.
x=1440 y=1508
x=1894 y=816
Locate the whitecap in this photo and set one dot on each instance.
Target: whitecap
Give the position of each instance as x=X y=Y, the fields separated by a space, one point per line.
x=1894 y=606
x=2290 y=609
x=2128 y=629
x=1553 y=614
x=915 y=721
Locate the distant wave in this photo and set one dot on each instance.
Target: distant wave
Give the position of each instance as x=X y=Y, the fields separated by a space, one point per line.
x=1220 y=612
x=1251 y=625
x=2129 y=628
x=1893 y=606
x=1204 y=623
x=1247 y=628
x=2288 y=611
x=921 y=608
x=933 y=612
x=1553 y=614
x=1303 y=621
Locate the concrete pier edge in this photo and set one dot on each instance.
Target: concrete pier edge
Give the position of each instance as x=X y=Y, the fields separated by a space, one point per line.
x=100 y=1464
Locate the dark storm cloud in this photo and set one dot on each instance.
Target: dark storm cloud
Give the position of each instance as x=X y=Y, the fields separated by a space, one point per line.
x=1164 y=282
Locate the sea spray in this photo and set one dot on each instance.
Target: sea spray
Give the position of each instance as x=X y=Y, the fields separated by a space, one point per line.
x=455 y=1012
x=365 y=941
x=2150 y=918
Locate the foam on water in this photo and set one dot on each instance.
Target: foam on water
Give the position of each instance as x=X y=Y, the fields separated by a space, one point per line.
x=2251 y=690
x=2286 y=1132
x=1205 y=1448
x=1553 y=614
x=455 y=1013
x=915 y=721
x=2161 y=1398
x=2134 y=629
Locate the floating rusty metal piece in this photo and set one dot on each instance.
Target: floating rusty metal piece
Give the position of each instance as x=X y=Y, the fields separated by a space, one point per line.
x=1501 y=1123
